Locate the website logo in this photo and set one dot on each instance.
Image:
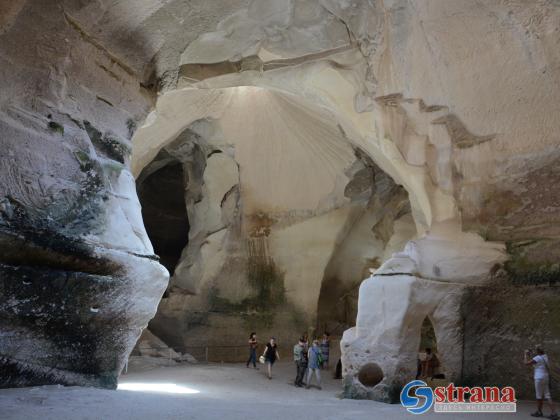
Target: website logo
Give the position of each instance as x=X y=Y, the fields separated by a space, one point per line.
x=421 y=400
x=417 y=397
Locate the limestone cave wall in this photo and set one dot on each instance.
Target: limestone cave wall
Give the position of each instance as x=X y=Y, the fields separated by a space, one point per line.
x=78 y=276
x=501 y=321
x=318 y=140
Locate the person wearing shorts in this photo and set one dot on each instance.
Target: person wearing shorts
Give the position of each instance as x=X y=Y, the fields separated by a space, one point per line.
x=541 y=375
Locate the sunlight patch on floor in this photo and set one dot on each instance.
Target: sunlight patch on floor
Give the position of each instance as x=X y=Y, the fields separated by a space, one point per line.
x=156 y=387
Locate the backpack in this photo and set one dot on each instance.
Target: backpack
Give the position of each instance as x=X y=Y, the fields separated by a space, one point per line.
x=320 y=359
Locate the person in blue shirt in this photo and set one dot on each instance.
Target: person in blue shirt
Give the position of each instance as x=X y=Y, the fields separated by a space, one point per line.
x=314 y=357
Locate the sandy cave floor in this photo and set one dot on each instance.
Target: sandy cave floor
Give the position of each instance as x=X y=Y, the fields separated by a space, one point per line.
x=225 y=391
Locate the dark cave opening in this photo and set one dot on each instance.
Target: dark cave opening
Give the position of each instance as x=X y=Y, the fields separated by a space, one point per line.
x=162 y=196
x=429 y=363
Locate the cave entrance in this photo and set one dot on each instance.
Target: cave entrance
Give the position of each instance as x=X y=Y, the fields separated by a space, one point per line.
x=162 y=196
x=429 y=366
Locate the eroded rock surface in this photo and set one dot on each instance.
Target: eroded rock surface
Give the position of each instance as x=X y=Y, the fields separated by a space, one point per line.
x=79 y=279
x=441 y=96
x=428 y=279
x=315 y=141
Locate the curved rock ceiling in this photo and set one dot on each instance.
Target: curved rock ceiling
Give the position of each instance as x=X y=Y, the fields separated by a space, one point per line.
x=319 y=140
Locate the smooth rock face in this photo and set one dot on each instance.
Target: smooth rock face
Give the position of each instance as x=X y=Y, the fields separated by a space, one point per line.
x=79 y=279
x=316 y=141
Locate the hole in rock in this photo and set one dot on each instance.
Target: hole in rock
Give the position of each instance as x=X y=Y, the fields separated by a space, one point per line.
x=370 y=374
x=161 y=195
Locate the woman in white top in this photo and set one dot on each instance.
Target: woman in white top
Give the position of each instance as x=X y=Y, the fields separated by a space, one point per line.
x=542 y=380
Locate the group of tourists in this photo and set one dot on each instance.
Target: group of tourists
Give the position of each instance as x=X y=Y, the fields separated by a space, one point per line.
x=309 y=357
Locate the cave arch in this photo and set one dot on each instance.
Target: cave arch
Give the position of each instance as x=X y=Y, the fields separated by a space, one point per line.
x=177 y=110
x=296 y=178
x=429 y=361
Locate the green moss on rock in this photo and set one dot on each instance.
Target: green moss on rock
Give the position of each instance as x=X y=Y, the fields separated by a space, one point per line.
x=107 y=143
x=267 y=294
x=56 y=127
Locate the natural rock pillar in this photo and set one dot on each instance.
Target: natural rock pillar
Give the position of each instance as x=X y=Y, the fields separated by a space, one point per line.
x=428 y=279
x=78 y=275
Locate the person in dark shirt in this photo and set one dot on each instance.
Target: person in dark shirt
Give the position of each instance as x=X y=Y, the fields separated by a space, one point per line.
x=253 y=350
x=271 y=355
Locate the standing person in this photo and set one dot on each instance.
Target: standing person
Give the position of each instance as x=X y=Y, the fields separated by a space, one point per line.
x=300 y=358
x=271 y=355
x=541 y=375
x=325 y=349
x=314 y=357
x=253 y=350
x=427 y=364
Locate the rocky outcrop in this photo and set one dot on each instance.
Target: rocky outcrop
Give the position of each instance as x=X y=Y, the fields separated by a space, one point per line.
x=429 y=279
x=79 y=279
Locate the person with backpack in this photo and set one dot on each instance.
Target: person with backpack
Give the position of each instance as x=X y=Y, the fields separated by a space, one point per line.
x=300 y=359
x=315 y=359
x=541 y=375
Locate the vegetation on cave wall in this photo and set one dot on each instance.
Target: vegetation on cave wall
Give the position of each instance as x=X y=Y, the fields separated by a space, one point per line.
x=267 y=293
